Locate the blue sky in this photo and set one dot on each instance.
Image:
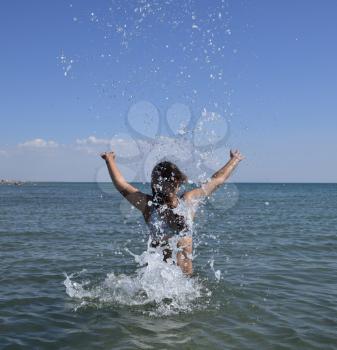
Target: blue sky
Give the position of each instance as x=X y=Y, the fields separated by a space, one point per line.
x=268 y=68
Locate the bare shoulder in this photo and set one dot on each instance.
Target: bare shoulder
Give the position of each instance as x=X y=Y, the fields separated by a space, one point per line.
x=146 y=209
x=138 y=199
x=187 y=196
x=190 y=196
x=192 y=202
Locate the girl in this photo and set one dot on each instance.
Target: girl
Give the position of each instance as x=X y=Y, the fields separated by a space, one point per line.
x=161 y=209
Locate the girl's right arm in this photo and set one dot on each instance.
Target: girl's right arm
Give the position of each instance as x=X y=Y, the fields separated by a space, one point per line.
x=131 y=193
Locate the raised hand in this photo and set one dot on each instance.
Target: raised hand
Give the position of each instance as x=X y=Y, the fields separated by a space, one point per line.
x=235 y=154
x=108 y=156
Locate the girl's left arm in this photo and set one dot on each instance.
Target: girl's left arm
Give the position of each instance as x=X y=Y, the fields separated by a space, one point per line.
x=217 y=179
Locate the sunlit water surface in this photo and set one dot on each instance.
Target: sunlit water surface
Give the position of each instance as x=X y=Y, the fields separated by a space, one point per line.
x=75 y=273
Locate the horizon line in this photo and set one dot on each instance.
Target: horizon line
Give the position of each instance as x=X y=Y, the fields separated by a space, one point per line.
x=147 y=182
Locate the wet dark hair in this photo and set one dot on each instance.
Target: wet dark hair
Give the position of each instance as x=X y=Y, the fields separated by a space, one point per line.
x=165 y=177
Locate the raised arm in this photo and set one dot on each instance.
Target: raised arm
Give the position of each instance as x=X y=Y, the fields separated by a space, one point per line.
x=131 y=193
x=217 y=179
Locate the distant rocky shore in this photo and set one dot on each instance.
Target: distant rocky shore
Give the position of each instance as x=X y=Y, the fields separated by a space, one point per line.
x=11 y=182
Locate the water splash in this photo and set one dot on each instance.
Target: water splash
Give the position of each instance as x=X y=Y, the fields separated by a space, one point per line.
x=182 y=43
x=66 y=63
x=217 y=273
x=161 y=288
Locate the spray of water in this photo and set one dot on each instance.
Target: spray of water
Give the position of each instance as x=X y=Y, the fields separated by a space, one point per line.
x=160 y=287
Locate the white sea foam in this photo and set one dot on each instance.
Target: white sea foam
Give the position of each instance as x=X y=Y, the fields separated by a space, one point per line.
x=161 y=286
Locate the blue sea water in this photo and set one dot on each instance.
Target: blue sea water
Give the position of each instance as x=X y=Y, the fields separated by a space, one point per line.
x=265 y=271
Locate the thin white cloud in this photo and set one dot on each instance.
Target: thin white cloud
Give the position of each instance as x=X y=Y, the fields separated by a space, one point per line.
x=3 y=153
x=93 y=140
x=122 y=145
x=39 y=143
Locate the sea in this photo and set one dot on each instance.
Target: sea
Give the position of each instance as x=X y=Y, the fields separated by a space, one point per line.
x=76 y=271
